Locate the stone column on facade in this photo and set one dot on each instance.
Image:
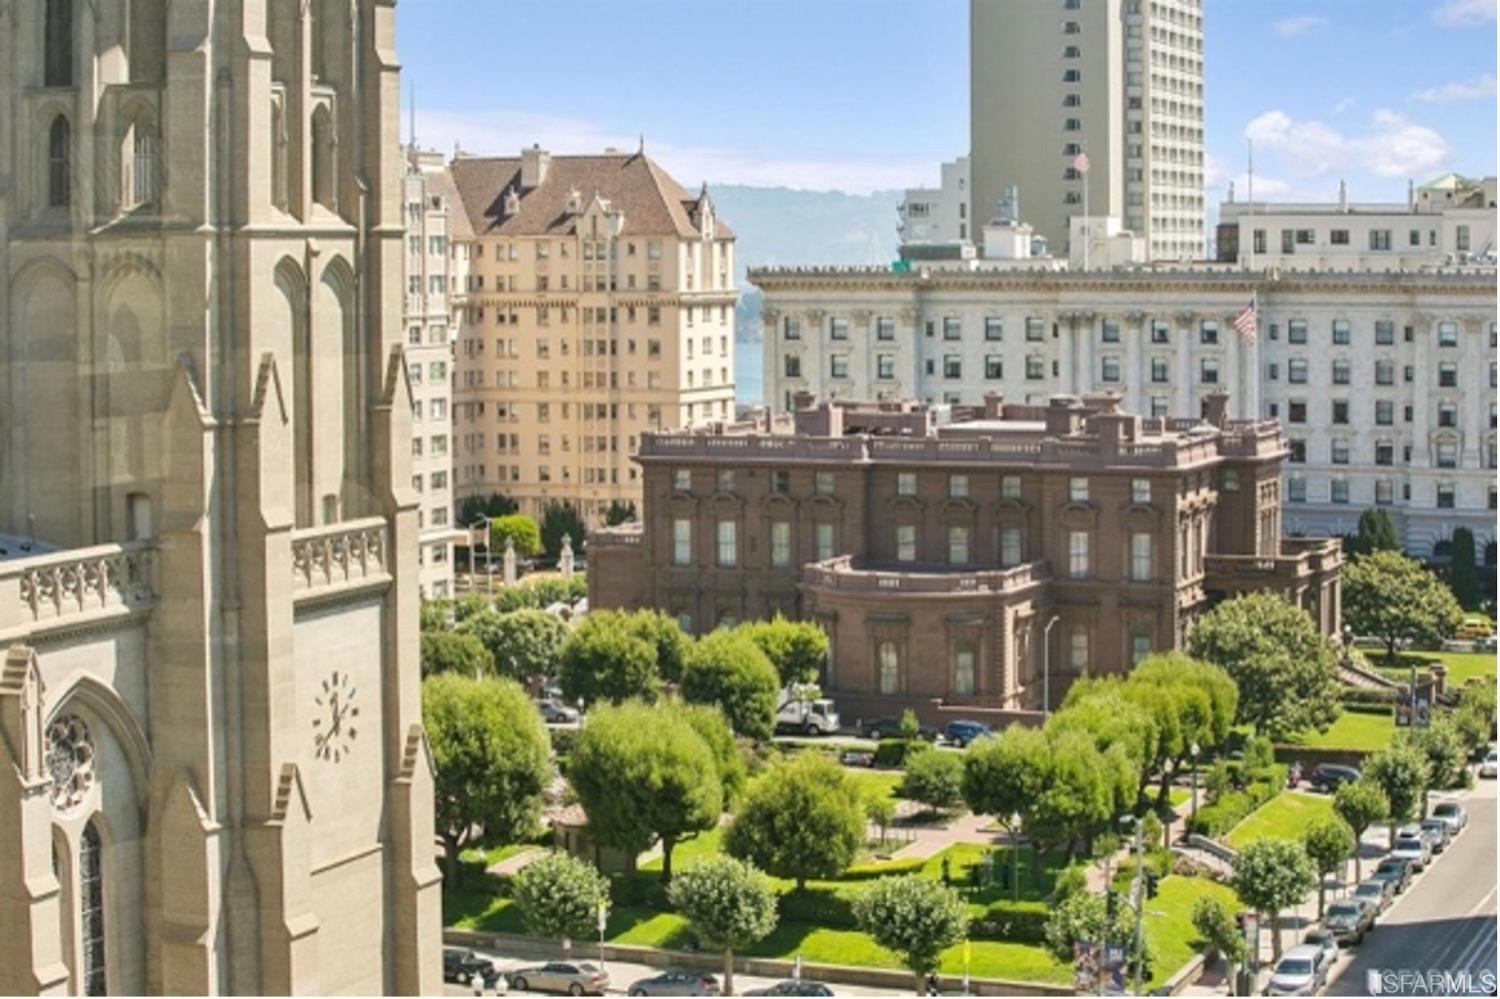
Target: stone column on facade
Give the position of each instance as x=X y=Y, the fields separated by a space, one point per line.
x=1182 y=405
x=1229 y=378
x=1248 y=403
x=1082 y=326
x=815 y=359
x=1425 y=325
x=1135 y=375
x=1474 y=378
x=770 y=356
x=862 y=349
x=907 y=320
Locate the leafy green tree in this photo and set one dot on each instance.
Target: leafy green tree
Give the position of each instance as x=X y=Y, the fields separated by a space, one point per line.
x=1395 y=599
x=664 y=634
x=1104 y=710
x=619 y=513
x=910 y=726
x=880 y=808
x=558 y=896
x=798 y=649
x=728 y=669
x=729 y=905
x=917 y=918
x=559 y=519
x=1078 y=792
x=433 y=614
x=1196 y=706
x=451 y=652
x=491 y=758
x=1360 y=804
x=1083 y=915
x=1442 y=747
x=1400 y=771
x=467 y=606
x=472 y=508
x=1271 y=875
x=1475 y=717
x=1216 y=926
x=935 y=779
x=1328 y=841
x=802 y=819
x=520 y=530
x=605 y=659
x=709 y=722
x=644 y=775
x=1003 y=777
x=1375 y=533
x=523 y=643
x=1461 y=574
x=1285 y=669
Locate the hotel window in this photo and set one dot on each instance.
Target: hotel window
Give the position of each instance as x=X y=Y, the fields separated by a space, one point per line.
x=823 y=541
x=1078 y=554
x=1341 y=372
x=823 y=483
x=1298 y=451
x=1448 y=375
x=1447 y=454
x=906 y=483
x=1447 y=334
x=1385 y=332
x=885 y=367
x=1208 y=332
x=1036 y=368
x=1296 y=331
x=682 y=541
x=953 y=328
x=1208 y=369
x=890 y=668
x=1078 y=489
x=1385 y=453
x=791 y=328
x=781 y=544
x=1384 y=493
x=1158 y=369
x=1159 y=405
x=781 y=482
x=1258 y=238
x=1385 y=412
x=906 y=542
x=958 y=545
x=1445 y=496
x=994 y=366
x=1160 y=331
x=1010 y=487
x=1338 y=491
x=682 y=480
x=958 y=486
x=1338 y=237
x=1385 y=372
x=1296 y=490
x=1010 y=546
x=953 y=366
x=1140 y=557
x=728 y=550
x=1140 y=490
x=885 y=328
x=1341 y=332
x=1338 y=451
x=791 y=365
x=1447 y=414
x=994 y=328
x=1109 y=369
x=1140 y=647
x=963 y=670
x=724 y=480
x=1340 y=411
x=1109 y=332
x=1078 y=649
x=838 y=366
x=838 y=328
x=1035 y=330
x=1461 y=238
x=1380 y=239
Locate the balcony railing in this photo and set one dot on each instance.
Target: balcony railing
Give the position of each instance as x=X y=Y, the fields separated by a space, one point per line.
x=340 y=555
x=77 y=584
x=840 y=573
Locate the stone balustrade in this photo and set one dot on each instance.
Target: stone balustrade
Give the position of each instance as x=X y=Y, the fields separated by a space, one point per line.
x=77 y=585
x=339 y=555
x=841 y=573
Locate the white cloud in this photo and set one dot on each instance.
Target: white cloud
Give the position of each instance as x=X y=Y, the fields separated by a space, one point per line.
x=1460 y=90
x=1456 y=13
x=501 y=133
x=1392 y=146
x=1344 y=105
x=1290 y=27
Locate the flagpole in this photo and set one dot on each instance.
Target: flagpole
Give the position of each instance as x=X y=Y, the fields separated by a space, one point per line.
x=1086 y=239
x=1250 y=191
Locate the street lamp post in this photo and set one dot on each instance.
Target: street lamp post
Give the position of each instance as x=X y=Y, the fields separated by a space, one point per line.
x=481 y=522
x=1194 y=814
x=1047 y=666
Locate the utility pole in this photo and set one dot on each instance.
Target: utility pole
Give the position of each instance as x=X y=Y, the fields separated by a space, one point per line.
x=1140 y=906
x=1047 y=667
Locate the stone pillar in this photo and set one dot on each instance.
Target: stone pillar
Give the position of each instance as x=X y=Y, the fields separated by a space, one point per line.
x=1136 y=376
x=565 y=559
x=1474 y=373
x=1229 y=378
x=1421 y=426
x=1066 y=380
x=772 y=392
x=815 y=355
x=1183 y=402
x=1248 y=402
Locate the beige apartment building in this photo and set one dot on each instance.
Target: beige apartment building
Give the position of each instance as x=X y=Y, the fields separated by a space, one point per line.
x=1121 y=80
x=213 y=773
x=599 y=305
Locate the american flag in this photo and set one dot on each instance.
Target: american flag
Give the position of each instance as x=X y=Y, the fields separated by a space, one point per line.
x=1081 y=163
x=1245 y=321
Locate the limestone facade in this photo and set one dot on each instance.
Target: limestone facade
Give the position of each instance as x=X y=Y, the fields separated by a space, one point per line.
x=213 y=775
x=1384 y=382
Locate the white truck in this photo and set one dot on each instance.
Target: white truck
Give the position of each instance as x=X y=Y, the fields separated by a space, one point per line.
x=800 y=709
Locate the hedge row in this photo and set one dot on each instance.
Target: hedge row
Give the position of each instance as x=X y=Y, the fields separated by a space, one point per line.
x=1226 y=812
x=1356 y=697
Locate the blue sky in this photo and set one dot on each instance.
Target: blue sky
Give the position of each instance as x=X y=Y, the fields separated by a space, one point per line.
x=866 y=94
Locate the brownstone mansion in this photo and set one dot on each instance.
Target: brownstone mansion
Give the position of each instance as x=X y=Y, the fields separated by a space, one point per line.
x=957 y=554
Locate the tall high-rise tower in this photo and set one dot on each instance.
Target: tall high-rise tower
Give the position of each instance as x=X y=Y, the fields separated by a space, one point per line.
x=213 y=776
x=1119 y=80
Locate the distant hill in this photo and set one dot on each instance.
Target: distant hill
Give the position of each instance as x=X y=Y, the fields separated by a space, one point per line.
x=783 y=226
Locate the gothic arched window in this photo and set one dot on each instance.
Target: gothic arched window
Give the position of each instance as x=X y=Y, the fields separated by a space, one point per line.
x=91 y=911
x=57 y=61
x=324 y=153
x=59 y=163
x=140 y=181
x=890 y=668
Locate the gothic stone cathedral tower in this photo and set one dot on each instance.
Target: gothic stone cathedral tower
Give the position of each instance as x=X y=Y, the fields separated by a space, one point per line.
x=213 y=777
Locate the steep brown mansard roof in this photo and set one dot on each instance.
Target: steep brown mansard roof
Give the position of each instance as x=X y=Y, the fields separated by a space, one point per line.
x=653 y=203
x=441 y=184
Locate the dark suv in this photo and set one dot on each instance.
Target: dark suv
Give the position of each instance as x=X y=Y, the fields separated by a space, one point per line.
x=462 y=965
x=889 y=727
x=1330 y=776
x=961 y=733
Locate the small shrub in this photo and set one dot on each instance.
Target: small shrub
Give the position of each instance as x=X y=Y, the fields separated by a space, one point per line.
x=894 y=753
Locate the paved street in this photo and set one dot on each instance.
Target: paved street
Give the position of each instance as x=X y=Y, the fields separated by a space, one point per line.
x=1444 y=923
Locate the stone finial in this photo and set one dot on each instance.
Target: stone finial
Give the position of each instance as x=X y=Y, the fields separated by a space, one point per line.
x=509 y=562
x=565 y=559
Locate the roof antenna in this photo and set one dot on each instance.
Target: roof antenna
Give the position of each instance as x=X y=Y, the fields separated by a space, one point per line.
x=642 y=150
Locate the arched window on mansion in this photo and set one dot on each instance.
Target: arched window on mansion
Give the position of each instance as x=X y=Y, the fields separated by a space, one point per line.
x=890 y=668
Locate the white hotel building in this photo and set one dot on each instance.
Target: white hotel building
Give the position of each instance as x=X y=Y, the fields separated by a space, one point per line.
x=1385 y=381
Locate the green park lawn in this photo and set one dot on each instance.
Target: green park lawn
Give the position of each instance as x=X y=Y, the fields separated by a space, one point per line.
x=1360 y=730
x=1462 y=666
x=1283 y=817
x=1170 y=936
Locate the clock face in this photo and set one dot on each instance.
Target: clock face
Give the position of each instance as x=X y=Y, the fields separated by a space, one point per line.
x=335 y=716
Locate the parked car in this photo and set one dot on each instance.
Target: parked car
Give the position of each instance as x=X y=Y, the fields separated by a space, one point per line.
x=1397 y=870
x=793 y=987
x=1490 y=766
x=554 y=713
x=1414 y=850
x=461 y=966
x=1330 y=776
x=1441 y=834
x=963 y=732
x=1454 y=814
x=573 y=977
x=1327 y=944
x=676 y=982
x=889 y=727
x=1297 y=973
x=1379 y=892
x=1350 y=920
